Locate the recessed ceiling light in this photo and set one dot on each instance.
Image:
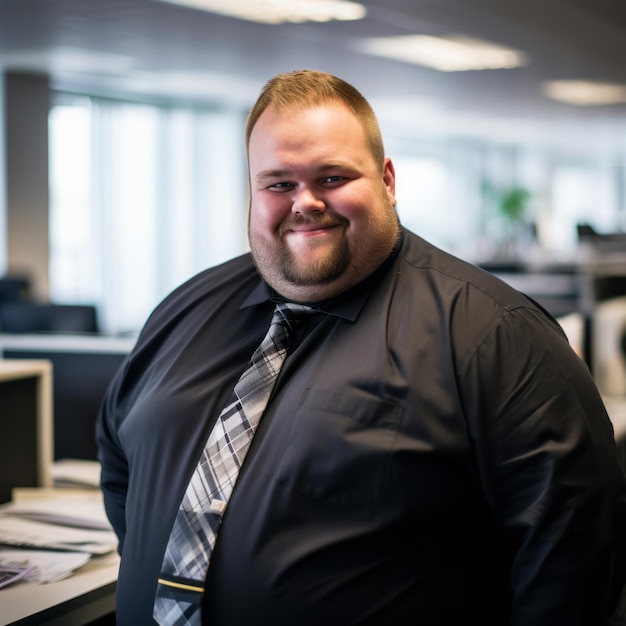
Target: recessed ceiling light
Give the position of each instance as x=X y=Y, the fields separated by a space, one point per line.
x=585 y=92
x=280 y=11
x=449 y=54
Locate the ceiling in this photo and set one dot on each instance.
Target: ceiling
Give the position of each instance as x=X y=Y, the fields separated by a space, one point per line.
x=146 y=47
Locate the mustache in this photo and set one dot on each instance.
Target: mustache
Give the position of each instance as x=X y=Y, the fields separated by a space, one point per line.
x=321 y=221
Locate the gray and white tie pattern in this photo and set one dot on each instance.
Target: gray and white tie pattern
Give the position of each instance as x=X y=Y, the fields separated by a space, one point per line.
x=188 y=552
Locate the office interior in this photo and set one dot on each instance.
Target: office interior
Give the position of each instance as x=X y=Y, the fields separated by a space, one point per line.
x=122 y=162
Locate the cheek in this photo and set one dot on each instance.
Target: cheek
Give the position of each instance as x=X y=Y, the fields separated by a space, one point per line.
x=354 y=209
x=266 y=216
x=359 y=200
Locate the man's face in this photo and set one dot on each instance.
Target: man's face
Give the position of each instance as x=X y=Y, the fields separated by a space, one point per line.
x=322 y=214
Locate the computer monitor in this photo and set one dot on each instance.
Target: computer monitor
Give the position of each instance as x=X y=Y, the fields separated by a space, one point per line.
x=82 y=367
x=26 y=443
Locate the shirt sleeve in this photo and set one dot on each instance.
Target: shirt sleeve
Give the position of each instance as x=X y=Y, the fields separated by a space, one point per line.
x=549 y=467
x=114 y=473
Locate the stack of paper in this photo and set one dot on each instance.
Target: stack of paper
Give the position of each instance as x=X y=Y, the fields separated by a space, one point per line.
x=76 y=473
x=69 y=509
x=57 y=530
x=39 y=565
x=28 y=534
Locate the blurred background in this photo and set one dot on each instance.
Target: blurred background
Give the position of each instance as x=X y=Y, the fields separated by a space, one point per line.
x=123 y=163
x=122 y=172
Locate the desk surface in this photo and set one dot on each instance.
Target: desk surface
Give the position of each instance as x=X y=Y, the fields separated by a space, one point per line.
x=83 y=597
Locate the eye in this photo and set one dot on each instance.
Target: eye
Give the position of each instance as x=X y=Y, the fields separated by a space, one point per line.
x=281 y=186
x=329 y=180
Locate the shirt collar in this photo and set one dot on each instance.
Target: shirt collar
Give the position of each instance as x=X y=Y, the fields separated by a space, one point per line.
x=347 y=305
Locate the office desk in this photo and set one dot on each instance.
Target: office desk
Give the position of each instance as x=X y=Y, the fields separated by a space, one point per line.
x=86 y=595
x=83 y=597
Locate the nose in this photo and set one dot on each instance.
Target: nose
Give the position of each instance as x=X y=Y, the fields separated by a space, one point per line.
x=307 y=201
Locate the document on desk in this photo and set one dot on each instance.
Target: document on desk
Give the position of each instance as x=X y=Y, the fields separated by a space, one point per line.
x=77 y=473
x=42 y=566
x=25 y=533
x=77 y=511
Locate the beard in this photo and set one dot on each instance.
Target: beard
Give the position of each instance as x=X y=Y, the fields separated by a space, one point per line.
x=280 y=259
x=322 y=271
x=341 y=266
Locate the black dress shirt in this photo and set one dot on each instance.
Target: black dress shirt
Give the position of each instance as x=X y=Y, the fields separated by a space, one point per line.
x=434 y=453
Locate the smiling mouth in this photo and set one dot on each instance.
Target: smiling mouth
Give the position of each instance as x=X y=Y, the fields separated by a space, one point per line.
x=312 y=228
x=302 y=227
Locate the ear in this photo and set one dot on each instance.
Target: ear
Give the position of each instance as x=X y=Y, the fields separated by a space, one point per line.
x=389 y=178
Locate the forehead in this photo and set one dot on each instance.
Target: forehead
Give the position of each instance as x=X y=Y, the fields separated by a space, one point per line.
x=325 y=128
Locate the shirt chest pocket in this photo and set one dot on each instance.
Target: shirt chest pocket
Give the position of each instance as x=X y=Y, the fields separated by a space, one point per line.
x=339 y=447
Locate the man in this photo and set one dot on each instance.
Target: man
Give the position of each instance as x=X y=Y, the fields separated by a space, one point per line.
x=433 y=453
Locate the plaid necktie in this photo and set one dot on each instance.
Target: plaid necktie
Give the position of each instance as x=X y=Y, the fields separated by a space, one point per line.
x=188 y=552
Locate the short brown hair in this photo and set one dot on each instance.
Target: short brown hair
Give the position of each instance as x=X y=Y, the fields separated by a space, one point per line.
x=309 y=88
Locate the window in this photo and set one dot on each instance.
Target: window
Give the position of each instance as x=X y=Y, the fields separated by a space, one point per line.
x=438 y=194
x=582 y=193
x=142 y=198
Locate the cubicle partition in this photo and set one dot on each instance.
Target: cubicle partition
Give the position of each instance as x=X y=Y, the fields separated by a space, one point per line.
x=26 y=420
x=82 y=368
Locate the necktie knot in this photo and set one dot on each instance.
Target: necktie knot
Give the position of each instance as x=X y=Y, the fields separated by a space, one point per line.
x=289 y=314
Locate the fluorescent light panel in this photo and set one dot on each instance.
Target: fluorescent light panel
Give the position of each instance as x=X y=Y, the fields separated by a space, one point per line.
x=449 y=54
x=585 y=93
x=280 y=11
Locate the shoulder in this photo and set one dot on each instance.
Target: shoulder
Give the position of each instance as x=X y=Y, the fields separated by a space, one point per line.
x=223 y=279
x=466 y=300
x=463 y=284
x=215 y=289
x=446 y=272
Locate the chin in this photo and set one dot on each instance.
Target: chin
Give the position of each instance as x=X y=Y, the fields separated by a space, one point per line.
x=312 y=271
